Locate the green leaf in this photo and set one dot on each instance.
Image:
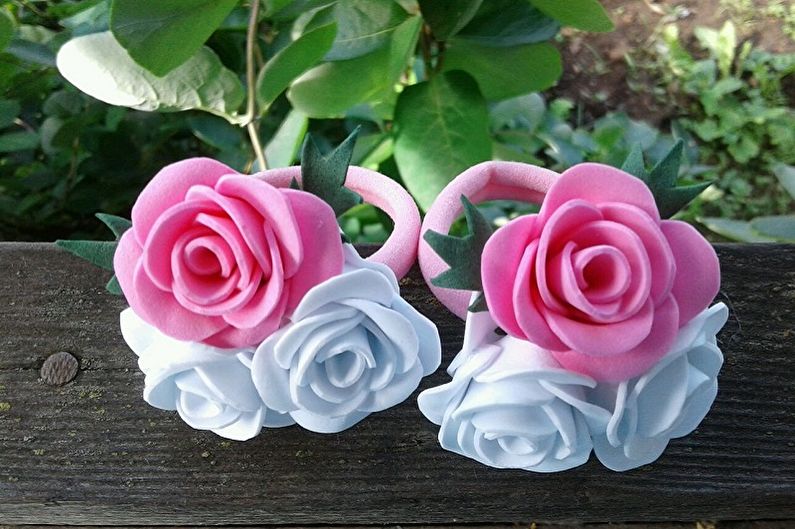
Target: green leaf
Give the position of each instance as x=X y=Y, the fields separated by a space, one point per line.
x=364 y=26
x=324 y=176
x=506 y=72
x=90 y=20
x=448 y=17
x=588 y=15
x=328 y=90
x=114 y=287
x=668 y=196
x=509 y=23
x=98 y=253
x=292 y=61
x=216 y=132
x=442 y=129
x=786 y=177
x=99 y=66
x=18 y=141
x=9 y=110
x=32 y=52
x=118 y=225
x=737 y=230
x=7 y=28
x=462 y=254
x=163 y=34
x=778 y=227
x=283 y=148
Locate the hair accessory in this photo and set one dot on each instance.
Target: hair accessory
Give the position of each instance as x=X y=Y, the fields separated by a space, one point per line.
x=610 y=342
x=248 y=310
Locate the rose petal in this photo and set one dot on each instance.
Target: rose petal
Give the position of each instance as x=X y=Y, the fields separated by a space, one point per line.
x=597 y=183
x=499 y=263
x=697 y=269
x=169 y=187
x=635 y=361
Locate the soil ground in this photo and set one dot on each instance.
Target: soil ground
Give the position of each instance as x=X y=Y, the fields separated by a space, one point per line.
x=611 y=71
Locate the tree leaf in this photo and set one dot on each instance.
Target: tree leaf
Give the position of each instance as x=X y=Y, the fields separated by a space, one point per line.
x=18 y=141
x=442 y=129
x=737 y=230
x=786 y=177
x=588 y=15
x=448 y=17
x=778 y=227
x=292 y=61
x=9 y=110
x=462 y=254
x=100 y=67
x=98 y=253
x=506 y=72
x=324 y=176
x=328 y=90
x=7 y=28
x=363 y=27
x=509 y=23
x=162 y=34
x=283 y=147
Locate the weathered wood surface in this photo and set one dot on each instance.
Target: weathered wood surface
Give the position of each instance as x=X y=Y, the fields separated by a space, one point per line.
x=92 y=452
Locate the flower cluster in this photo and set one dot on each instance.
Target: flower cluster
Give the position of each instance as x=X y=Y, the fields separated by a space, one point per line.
x=247 y=310
x=610 y=345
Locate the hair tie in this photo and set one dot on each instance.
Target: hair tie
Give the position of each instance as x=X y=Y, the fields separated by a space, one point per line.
x=399 y=251
x=480 y=183
x=247 y=308
x=609 y=342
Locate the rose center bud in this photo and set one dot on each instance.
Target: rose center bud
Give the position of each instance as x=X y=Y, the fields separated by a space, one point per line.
x=602 y=273
x=345 y=369
x=515 y=445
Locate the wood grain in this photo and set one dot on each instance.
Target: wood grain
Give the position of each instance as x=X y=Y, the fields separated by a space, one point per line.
x=92 y=452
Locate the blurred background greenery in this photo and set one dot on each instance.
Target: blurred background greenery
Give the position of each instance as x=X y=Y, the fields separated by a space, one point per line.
x=437 y=85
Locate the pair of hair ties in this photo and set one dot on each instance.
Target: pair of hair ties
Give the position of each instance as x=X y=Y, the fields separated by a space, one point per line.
x=588 y=326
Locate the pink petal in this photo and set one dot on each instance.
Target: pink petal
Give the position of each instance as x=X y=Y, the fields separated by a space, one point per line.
x=697 y=269
x=499 y=264
x=230 y=337
x=634 y=362
x=169 y=187
x=271 y=204
x=526 y=301
x=322 y=244
x=602 y=339
x=597 y=183
x=663 y=268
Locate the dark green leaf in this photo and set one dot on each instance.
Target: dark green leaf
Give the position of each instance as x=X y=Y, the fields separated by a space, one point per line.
x=7 y=28
x=292 y=61
x=33 y=52
x=509 y=23
x=506 y=72
x=462 y=254
x=364 y=26
x=442 y=129
x=479 y=305
x=9 y=110
x=118 y=225
x=635 y=164
x=18 y=141
x=588 y=15
x=448 y=17
x=98 y=253
x=162 y=34
x=324 y=176
x=114 y=287
x=283 y=147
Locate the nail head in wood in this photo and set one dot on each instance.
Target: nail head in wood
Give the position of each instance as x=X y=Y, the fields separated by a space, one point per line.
x=59 y=369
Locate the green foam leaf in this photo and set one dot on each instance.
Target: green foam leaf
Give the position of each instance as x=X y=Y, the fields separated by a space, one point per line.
x=462 y=254
x=118 y=225
x=98 y=253
x=324 y=176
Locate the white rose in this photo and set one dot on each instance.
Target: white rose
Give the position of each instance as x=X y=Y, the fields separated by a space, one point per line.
x=511 y=405
x=210 y=388
x=667 y=402
x=352 y=347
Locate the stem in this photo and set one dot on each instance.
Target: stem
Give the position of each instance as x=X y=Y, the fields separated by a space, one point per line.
x=251 y=82
x=425 y=45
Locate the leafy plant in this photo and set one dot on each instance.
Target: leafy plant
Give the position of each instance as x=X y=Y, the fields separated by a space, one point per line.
x=740 y=114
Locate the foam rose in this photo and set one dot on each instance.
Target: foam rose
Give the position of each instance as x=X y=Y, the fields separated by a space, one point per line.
x=222 y=258
x=596 y=277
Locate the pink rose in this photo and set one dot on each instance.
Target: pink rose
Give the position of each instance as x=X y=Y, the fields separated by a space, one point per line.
x=596 y=276
x=222 y=258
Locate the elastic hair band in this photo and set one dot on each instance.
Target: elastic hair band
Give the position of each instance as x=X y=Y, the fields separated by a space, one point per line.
x=400 y=249
x=483 y=182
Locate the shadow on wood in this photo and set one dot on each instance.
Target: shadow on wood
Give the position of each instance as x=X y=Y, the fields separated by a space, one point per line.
x=92 y=452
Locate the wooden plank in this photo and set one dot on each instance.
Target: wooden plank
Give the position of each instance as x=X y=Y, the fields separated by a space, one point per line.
x=92 y=452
